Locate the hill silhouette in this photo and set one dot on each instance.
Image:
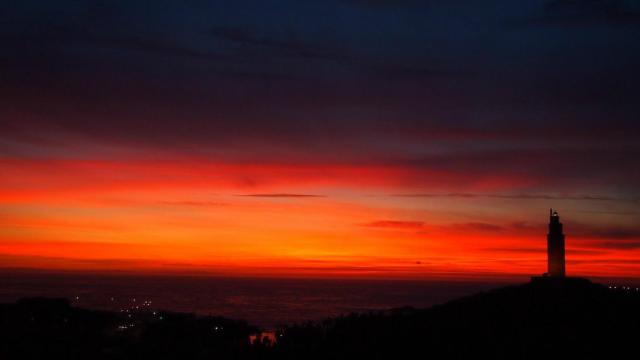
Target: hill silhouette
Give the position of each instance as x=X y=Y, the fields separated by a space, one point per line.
x=548 y=317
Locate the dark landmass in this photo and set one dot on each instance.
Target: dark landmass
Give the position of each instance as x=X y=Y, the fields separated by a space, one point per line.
x=548 y=317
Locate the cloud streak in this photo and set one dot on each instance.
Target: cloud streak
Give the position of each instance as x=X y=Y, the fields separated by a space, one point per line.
x=194 y=203
x=282 y=195
x=395 y=224
x=621 y=245
x=516 y=196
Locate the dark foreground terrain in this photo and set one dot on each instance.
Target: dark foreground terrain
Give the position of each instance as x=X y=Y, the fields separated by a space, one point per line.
x=571 y=318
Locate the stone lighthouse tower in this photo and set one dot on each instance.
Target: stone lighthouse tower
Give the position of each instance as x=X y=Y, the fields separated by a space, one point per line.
x=555 y=246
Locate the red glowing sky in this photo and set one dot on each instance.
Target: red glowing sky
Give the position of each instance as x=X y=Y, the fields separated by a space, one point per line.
x=193 y=215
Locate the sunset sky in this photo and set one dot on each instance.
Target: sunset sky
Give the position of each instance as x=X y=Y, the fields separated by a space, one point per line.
x=354 y=138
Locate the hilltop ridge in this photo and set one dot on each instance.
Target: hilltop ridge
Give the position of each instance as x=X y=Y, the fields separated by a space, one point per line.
x=547 y=317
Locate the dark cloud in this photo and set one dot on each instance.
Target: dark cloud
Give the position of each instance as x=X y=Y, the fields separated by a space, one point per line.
x=614 y=233
x=156 y=46
x=471 y=227
x=283 y=195
x=295 y=45
x=590 y=233
x=540 y=251
x=195 y=203
x=291 y=46
x=587 y=12
x=517 y=196
x=541 y=163
x=56 y=39
x=609 y=212
x=622 y=245
x=605 y=262
x=395 y=224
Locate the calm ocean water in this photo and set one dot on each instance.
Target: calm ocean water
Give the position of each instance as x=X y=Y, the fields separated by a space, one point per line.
x=262 y=302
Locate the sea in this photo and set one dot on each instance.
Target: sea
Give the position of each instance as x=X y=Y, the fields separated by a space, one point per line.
x=266 y=303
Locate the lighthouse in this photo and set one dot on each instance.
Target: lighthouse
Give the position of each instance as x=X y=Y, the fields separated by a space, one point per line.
x=555 y=246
